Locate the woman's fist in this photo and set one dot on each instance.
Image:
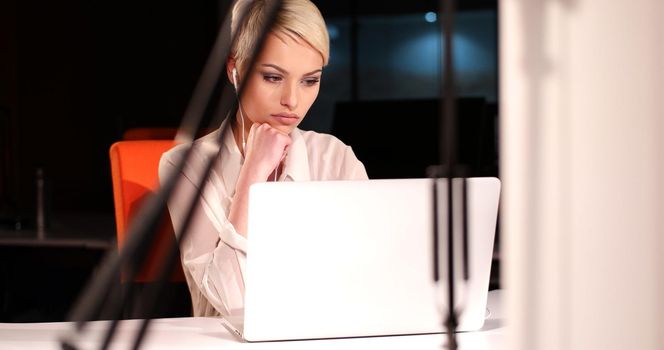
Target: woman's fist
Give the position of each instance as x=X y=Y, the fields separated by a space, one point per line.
x=266 y=148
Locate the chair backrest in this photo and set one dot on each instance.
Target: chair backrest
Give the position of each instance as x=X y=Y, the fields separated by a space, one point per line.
x=134 y=169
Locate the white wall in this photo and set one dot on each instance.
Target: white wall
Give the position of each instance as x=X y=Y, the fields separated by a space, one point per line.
x=582 y=160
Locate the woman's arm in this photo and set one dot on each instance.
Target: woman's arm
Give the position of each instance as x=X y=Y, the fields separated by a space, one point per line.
x=266 y=148
x=212 y=251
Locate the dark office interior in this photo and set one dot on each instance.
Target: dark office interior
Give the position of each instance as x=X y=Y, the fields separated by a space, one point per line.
x=75 y=76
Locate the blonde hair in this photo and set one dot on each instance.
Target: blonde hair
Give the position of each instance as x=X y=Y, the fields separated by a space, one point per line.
x=296 y=18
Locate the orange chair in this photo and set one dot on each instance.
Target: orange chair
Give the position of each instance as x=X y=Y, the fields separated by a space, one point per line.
x=134 y=168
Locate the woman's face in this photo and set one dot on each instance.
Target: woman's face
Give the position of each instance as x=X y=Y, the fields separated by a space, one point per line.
x=283 y=83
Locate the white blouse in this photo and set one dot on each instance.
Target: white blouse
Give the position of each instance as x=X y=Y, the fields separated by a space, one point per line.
x=213 y=254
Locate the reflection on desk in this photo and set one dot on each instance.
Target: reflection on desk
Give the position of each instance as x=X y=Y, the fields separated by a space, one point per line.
x=208 y=333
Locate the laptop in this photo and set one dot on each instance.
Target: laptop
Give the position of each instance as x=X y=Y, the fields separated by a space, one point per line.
x=335 y=259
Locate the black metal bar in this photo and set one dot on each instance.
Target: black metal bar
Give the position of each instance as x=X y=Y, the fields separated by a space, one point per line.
x=448 y=154
x=451 y=322
x=464 y=225
x=447 y=147
x=436 y=227
x=190 y=127
x=173 y=256
x=117 y=305
x=125 y=291
x=144 y=227
x=354 y=32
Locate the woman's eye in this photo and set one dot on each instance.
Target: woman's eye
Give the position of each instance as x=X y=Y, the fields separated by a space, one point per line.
x=311 y=81
x=272 y=78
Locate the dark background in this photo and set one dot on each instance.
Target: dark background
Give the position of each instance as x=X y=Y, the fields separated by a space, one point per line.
x=75 y=75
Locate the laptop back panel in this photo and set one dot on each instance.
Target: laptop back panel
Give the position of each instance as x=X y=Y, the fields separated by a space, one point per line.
x=354 y=258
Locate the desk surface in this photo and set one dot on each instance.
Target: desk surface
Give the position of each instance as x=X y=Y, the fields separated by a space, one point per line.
x=208 y=333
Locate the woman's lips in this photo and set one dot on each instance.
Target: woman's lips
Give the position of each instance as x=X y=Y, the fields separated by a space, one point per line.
x=286 y=119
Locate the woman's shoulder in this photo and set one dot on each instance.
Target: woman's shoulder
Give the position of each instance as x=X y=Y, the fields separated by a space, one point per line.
x=330 y=158
x=319 y=140
x=324 y=148
x=206 y=146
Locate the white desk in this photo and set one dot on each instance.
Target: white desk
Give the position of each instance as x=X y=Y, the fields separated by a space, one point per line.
x=208 y=333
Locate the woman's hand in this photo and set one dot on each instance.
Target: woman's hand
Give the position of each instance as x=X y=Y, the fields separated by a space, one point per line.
x=266 y=148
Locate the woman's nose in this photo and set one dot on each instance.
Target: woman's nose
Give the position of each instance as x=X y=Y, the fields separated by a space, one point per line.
x=289 y=96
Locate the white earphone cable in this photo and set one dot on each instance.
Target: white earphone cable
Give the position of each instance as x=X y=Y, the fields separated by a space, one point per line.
x=244 y=143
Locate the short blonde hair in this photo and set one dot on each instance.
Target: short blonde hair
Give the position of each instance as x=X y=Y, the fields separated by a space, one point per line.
x=296 y=18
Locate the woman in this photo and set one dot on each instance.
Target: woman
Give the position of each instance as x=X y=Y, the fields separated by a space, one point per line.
x=263 y=144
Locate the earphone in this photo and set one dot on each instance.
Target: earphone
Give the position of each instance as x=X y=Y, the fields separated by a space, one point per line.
x=234 y=74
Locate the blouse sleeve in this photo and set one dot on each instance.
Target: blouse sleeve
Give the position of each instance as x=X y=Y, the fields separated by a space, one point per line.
x=352 y=168
x=212 y=253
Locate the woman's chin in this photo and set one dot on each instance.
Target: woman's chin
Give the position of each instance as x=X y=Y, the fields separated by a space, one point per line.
x=286 y=129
